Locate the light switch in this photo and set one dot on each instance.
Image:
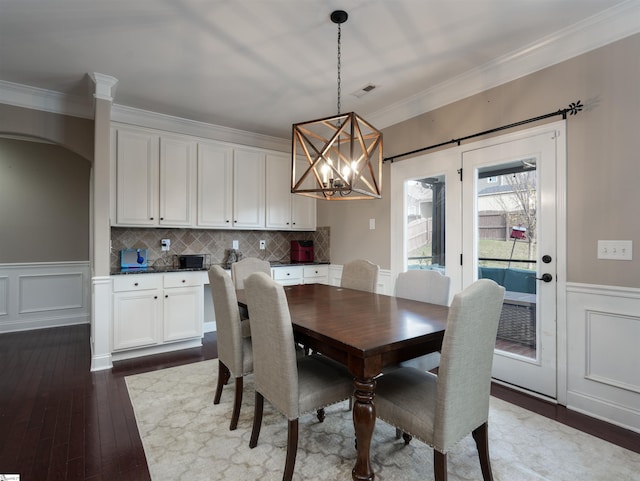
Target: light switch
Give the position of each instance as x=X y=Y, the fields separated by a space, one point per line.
x=620 y=250
x=372 y=224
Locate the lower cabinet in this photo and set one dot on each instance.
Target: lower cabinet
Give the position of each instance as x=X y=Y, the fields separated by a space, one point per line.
x=291 y=275
x=153 y=309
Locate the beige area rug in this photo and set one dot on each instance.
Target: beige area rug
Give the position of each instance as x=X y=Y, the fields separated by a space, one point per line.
x=187 y=438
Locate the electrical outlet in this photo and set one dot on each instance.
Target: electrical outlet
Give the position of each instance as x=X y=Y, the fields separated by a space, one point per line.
x=235 y=245
x=166 y=244
x=263 y=245
x=620 y=250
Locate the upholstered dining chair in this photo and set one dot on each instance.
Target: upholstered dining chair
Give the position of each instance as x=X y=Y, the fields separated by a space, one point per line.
x=235 y=354
x=247 y=266
x=239 y=271
x=425 y=286
x=294 y=385
x=442 y=409
x=360 y=274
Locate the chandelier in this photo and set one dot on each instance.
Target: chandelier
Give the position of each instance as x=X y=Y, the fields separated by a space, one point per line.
x=338 y=157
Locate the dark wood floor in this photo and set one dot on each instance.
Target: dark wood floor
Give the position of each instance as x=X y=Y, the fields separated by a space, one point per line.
x=59 y=421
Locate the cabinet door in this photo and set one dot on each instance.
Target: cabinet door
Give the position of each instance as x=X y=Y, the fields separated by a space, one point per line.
x=215 y=185
x=137 y=177
x=183 y=313
x=177 y=181
x=136 y=318
x=303 y=212
x=248 y=189
x=303 y=208
x=278 y=192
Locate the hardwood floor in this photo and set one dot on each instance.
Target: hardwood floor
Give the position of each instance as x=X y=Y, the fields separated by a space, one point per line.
x=59 y=421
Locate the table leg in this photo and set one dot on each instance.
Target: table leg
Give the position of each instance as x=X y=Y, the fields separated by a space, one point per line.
x=364 y=419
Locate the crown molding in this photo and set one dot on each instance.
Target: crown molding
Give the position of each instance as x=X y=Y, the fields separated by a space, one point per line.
x=154 y=120
x=607 y=27
x=46 y=100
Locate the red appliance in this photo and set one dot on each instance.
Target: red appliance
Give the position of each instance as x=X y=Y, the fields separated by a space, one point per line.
x=301 y=251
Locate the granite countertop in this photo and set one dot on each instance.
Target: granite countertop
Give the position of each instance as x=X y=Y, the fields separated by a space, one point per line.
x=166 y=269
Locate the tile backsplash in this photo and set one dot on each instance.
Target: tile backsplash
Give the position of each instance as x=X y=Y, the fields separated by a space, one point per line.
x=216 y=243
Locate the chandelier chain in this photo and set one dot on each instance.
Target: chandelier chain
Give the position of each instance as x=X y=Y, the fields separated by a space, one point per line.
x=339 y=62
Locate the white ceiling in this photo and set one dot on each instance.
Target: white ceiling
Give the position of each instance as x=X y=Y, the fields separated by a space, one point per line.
x=261 y=65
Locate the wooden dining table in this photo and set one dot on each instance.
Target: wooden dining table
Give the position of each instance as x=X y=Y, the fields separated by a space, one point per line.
x=365 y=332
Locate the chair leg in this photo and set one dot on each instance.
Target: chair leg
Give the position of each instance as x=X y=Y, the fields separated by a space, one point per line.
x=439 y=466
x=257 y=420
x=292 y=450
x=236 y=404
x=481 y=437
x=223 y=378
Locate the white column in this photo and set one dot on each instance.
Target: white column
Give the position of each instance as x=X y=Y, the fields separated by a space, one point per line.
x=101 y=292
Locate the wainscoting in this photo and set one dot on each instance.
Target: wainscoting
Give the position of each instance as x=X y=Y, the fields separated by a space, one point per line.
x=40 y=295
x=603 y=353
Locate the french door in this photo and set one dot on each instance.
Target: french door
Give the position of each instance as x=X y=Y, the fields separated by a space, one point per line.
x=501 y=204
x=510 y=191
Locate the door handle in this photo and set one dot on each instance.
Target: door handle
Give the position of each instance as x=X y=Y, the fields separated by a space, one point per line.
x=545 y=278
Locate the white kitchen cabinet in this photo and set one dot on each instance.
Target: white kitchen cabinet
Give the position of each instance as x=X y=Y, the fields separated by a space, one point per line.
x=177 y=181
x=183 y=306
x=287 y=275
x=215 y=185
x=301 y=274
x=137 y=306
x=136 y=177
x=315 y=274
x=248 y=189
x=153 y=309
x=155 y=179
x=286 y=211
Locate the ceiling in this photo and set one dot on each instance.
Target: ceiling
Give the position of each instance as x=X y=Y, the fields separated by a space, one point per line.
x=262 y=65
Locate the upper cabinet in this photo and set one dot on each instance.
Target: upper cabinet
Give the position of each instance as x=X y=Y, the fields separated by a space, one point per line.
x=136 y=177
x=215 y=185
x=177 y=182
x=248 y=189
x=172 y=180
x=155 y=179
x=286 y=211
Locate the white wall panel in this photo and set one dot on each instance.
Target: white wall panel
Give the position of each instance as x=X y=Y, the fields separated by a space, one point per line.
x=41 y=295
x=50 y=292
x=603 y=355
x=4 y=296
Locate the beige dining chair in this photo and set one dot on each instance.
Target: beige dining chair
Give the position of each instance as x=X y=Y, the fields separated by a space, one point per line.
x=239 y=272
x=360 y=274
x=293 y=384
x=425 y=286
x=247 y=266
x=235 y=354
x=442 y=409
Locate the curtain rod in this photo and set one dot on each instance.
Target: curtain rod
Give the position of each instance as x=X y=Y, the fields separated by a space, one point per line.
x=572 y=109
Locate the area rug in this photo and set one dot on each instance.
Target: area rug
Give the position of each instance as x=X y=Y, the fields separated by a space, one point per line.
x=186 y=437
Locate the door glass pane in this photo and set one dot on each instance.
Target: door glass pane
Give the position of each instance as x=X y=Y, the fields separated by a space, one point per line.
x=507 y=207
x=426 y=223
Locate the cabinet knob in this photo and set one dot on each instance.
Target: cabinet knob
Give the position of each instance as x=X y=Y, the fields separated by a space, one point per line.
x=161 y=218
x=135 y=284
x=227 y=221
x=150 y=218
x=184 y=280
x=166 y=296
x=155 y=297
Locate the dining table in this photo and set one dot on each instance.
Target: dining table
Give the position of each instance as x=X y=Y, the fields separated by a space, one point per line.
x=366 y=332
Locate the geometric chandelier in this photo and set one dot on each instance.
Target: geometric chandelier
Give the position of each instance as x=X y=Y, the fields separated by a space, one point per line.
x=338 y=157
